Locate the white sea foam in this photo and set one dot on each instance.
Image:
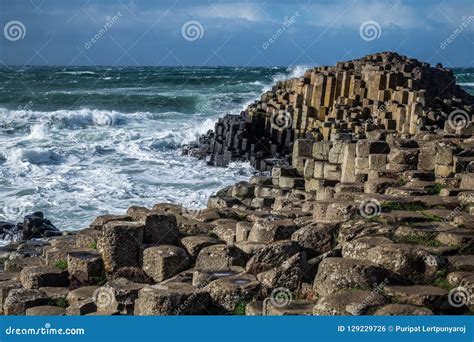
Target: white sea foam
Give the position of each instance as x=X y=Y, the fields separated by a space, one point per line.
x=291 y=72
x=73 y=168
x=78 y=72
x=76 y=164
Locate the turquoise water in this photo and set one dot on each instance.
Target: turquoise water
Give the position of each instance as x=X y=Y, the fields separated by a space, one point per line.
x=80 y=142
x=465 y=78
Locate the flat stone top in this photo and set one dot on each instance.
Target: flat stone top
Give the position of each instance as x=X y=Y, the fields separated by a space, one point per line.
x=42 y=270
x=424 y=290
x=82 y=293
x=199 y=239
x=123 y=224
x=348 y=262
x=165 y=250
x=171 y=288
x=46 y=310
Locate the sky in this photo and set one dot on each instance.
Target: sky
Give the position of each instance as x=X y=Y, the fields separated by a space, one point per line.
x=232 y=33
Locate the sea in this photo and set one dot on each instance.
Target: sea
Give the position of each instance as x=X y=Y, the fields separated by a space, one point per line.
x=78 y=142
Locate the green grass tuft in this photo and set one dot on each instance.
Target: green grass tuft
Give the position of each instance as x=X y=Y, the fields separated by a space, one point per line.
x=60 y=302
x=212 y=235
x=434 y=189
x=61 y=264
x=409 y=206
x=431 y=217
x=402 y=181
x=239 y=309
x=441 y=280
x=93 y=245
x=428 y=240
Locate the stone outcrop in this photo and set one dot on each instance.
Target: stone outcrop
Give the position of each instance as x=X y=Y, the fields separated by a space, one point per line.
x=366 y=208
x=347 y=102
x=33 y=226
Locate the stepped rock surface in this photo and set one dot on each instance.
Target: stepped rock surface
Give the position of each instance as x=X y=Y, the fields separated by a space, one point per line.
x=364 y=206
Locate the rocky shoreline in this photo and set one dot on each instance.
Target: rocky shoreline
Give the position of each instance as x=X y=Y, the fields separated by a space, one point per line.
x=365 y=208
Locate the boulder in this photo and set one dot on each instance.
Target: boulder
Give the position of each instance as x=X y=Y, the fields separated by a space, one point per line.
x=87 y=238
x=268 y=230
x=242 y=231
x=364 y=148
x=288 y=275
x=335 y=274
x=85 y=267
x=19 y=300
x=348 y=302
x=100 y=221
x=43 y=276
x=273 y=255
x=117 y=297
x=243 y=190
x=226 y=293
x=171 y=299
x=194 y=244
x=357 y=248
x=120 y=244
x=164 y=261
x=407 y=261
x=81 y=301
x=133 y=274
x=402 y=310
x=297 y=307
x=432 y=297
x=219 y=258
x=5 y=287
x=16 y=265
x=203 y=278
x=159 y=228
x=45 y=310
x=36 y=226
x=316 y=239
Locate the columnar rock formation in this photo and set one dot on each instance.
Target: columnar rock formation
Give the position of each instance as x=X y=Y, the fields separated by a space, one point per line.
x=381 y=91
x=368 y=210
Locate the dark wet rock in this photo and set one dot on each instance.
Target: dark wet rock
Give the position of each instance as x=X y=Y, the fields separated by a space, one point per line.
x=33 y=226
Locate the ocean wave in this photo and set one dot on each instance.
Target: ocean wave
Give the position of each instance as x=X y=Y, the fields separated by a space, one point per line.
x=66 y=118
x=79 y=72
x=63 y=158
x=294 y=71
x=466 y=84
x=35 y=156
